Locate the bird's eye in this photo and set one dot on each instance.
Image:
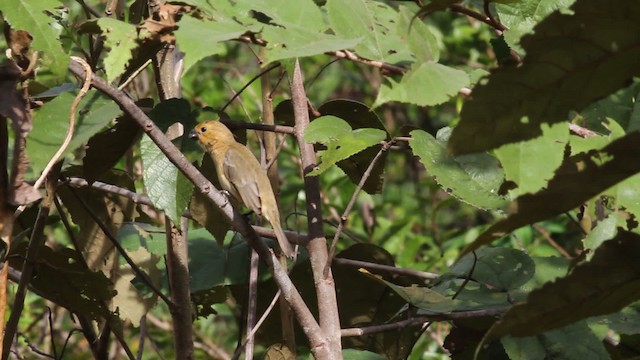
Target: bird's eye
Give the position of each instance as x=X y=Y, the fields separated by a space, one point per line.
x=203 y=129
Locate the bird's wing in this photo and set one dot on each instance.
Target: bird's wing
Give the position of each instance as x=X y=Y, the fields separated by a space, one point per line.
x=240 y=171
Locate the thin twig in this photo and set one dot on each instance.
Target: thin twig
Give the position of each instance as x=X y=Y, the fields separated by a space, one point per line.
x=256 y=327
x=134 y=74
x=555 y=245
x=468 y=278
x=28 y=267
x=72 y=120
x=391 y=269
x=352 y=201
x=252 y=304
x=273 y=66
x=478 y=16
x=365 y=330
x=487 y=11
x=70 y=127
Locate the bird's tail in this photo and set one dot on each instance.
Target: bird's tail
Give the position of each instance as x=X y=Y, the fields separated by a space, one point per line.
x=285 y=245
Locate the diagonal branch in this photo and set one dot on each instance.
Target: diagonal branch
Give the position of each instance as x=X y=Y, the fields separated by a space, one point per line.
x=290 y=293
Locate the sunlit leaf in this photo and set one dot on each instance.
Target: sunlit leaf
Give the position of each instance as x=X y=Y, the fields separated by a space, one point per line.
x=452 y=176
x=341 y=140
x=426 y=84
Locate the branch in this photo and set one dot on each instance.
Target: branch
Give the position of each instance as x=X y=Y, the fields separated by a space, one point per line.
x=330 y=346
x=387 y=268
x=352 y=201
x=37 y=239
x=143 y=200
x=476 y=15
x=203 y=185
x=359 y=331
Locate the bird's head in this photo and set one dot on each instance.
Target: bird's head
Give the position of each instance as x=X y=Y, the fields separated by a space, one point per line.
x=210 y=133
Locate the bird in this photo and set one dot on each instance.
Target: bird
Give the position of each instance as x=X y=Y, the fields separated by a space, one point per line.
x=240 y=174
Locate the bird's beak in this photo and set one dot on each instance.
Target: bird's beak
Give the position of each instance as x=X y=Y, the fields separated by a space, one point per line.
x=193 y=135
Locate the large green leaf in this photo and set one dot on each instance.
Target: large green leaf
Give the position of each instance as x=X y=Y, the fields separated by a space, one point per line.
x=452 y=176
x=375 y=23
x=286 y=13
x=572 y=342
x=585 y=292
x=501 y=268
x=299 y=41
x=120 y=37
x=572 y=60
x=168 y=189
x=32 y=16
x=595 y=172
x=51 y=121
x=359 y=115
x=420 y=40
x=191 y=32
x=521 y=16
x=530 y=164
x=340 y=139
x=426 y=84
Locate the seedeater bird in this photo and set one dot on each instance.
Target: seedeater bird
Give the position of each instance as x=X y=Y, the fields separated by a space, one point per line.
x=241 y=175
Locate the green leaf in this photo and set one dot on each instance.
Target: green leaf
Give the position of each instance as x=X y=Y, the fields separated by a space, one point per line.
x=52 y=119
x=572 y=342
x=626 y=321
x=419 y=38
x=570 y=63
x=418 y=296
x=353 y=354
x=32 y=16
x=521 y=16
x=426 y=84
x=620 y=107
x=604 y=230
x=375 y=23
x=581 y=294
x=451 y=175
x=358 y=115
x=120 y=38
x=501 y=268
x=341 y=141
x=627 y=195
x=302 y=13
x=547 y=270
x=168 y=189
x=530 y=164
x=191 y=32
x=595 y=171
x=298 y=41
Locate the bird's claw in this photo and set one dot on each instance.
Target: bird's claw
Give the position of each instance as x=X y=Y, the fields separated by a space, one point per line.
x=226 y=195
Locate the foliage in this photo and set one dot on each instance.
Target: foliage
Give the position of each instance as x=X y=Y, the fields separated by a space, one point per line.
x=499 y=171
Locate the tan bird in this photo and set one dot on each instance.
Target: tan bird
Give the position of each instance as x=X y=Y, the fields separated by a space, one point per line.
x=241 y=175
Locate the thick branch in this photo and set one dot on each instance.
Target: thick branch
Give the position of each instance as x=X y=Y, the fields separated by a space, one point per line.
x=325 y=290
